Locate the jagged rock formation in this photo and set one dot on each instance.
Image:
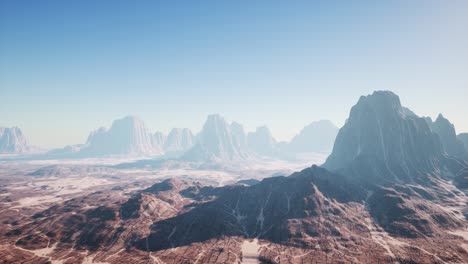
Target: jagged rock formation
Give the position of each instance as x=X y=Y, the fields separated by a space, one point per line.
x=219 y=142
x=179 y=140
x=12 y=140
x=262 y=142
x=316 y=137
x=446 y=132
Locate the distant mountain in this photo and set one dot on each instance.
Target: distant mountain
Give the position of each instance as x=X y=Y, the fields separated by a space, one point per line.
x=463 y=137
x=179 y=140
x=386 y=142
x=316 y=137
x=447 y=135
x=126 y=136
x=12 y=140
x=262 y=142
x=219 y=142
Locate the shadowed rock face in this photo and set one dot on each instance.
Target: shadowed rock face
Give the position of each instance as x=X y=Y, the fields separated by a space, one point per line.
x=383 y=142
x=463 y=137
x=263 y=210
x=446 y=132
x=12 y=140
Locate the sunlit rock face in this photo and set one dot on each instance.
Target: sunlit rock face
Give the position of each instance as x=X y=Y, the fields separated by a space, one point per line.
x=12 y=140
x=219 y=142
x=386 y=142
x=446 y=132
x=126 y=136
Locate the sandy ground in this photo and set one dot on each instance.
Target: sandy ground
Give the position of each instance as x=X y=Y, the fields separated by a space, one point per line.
x=250 y=252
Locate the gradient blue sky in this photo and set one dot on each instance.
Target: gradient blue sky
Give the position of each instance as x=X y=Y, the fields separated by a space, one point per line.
x=68 y=67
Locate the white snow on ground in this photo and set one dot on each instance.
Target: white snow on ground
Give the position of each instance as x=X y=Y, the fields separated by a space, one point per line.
x=37 y=200
x=250 y=252
x=464 y=234
x=64 y=186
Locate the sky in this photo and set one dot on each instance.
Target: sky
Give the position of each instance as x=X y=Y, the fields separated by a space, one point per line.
x=70 y=67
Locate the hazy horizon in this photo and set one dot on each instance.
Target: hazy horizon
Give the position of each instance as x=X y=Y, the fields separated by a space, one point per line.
x=70 y=68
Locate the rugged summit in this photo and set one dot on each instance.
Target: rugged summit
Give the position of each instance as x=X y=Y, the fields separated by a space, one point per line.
x=446 y=132
x=218 y=142
x=316 y=137
x=386 y=142
x=12 y=140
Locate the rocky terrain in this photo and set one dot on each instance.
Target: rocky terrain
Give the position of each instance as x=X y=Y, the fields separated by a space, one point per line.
x=390 y=192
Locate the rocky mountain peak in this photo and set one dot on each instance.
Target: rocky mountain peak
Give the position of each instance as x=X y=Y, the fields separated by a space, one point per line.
x=385 y=140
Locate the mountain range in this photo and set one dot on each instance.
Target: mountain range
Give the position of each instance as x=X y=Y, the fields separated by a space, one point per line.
x=390 y=192
x=218 y=142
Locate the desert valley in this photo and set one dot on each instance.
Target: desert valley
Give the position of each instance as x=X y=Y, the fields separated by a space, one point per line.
x=391 y=188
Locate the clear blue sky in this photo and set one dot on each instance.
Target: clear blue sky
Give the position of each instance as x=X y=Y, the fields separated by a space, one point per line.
x=68 y=67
